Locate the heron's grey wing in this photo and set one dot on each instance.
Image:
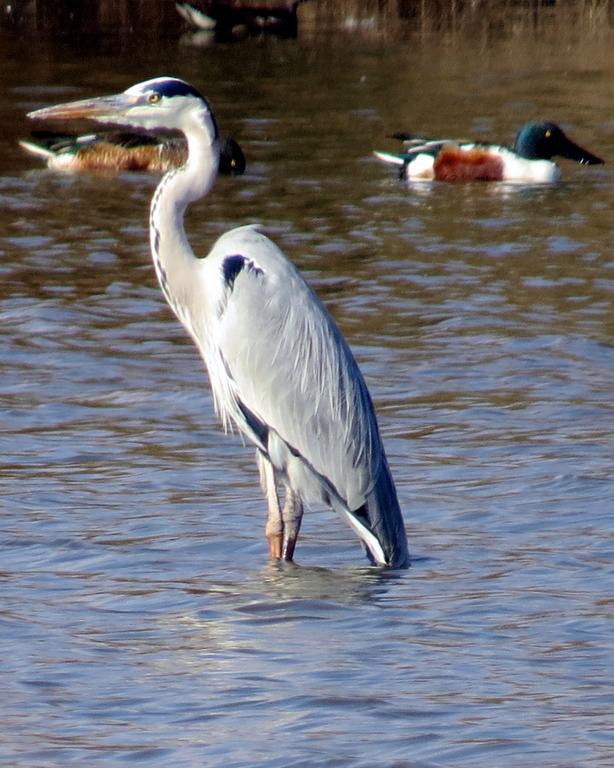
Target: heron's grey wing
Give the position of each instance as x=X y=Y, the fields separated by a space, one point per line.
x=293 y=372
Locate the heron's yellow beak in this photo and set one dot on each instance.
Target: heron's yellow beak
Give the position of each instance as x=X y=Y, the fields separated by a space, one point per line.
x=103 y=109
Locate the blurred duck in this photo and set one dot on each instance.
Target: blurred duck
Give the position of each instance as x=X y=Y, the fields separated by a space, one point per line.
x=194 y=17
x=229 y=18
x=529 y=160
x=122 y=152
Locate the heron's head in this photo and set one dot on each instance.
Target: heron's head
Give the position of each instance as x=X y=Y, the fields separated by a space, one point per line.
x=163 y=103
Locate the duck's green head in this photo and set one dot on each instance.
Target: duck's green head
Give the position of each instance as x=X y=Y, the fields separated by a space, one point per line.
x=544 y=140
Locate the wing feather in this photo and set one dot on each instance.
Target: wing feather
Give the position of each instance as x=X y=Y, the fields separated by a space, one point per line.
x=291 y=369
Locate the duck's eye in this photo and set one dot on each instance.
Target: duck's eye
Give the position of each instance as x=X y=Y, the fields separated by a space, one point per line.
x=548 y=133
x=153 y=98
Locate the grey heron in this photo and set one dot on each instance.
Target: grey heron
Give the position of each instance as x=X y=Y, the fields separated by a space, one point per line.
x=279 y=368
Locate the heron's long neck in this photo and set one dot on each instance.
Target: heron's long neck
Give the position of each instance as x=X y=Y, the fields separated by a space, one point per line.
x=172 y=255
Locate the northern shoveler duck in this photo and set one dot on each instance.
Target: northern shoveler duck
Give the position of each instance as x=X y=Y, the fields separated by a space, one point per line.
x=122 y=152
x=529 y=160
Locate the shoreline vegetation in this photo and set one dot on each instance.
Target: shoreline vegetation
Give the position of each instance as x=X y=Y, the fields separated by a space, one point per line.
x=397 y=18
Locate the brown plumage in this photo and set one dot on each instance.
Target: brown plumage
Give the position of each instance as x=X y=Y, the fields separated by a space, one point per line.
x=153 y=157
x=453 y=164
x=123 y=152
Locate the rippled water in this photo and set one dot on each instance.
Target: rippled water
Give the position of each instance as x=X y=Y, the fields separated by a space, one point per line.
x=139 y=618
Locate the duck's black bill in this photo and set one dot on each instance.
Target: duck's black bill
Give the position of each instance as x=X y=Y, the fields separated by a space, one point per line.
x=573 y=151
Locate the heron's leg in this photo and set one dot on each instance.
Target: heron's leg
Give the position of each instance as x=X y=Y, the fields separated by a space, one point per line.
x=274 y=525
x=292 y=515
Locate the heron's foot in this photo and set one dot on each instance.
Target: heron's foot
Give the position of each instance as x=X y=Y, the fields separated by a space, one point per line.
x=282 y=526
x=275 y=545
x=274 y=529
x=288 y=548
x=281 y=547
x=291 y=516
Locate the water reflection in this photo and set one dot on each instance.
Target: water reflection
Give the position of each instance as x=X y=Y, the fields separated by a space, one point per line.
x=324 y=585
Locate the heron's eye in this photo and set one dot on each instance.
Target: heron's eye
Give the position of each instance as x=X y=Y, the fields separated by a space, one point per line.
x=154 y=98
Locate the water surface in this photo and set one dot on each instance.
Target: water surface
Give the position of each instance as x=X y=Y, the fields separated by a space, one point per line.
x=140 y=619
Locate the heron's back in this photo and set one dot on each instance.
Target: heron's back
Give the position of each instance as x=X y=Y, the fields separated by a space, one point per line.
x=292 y=371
